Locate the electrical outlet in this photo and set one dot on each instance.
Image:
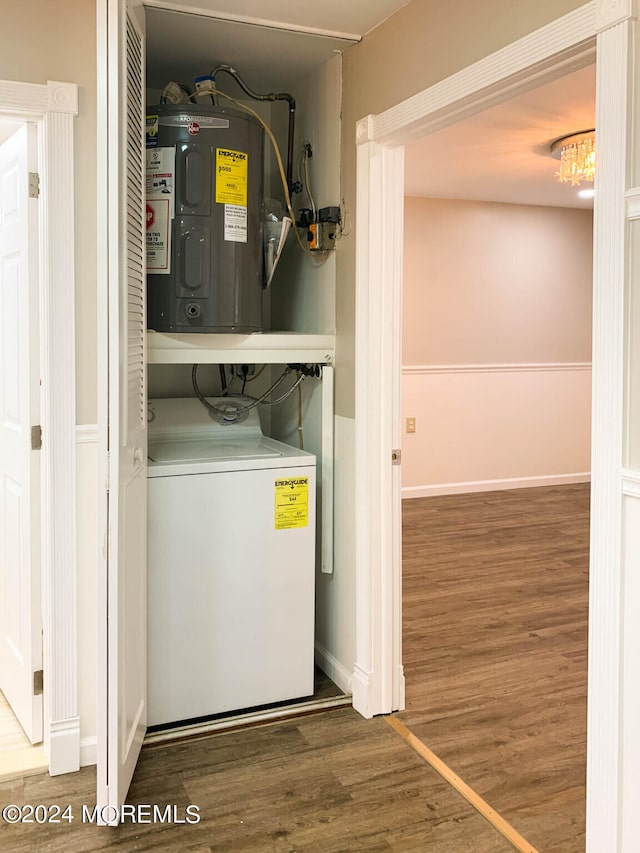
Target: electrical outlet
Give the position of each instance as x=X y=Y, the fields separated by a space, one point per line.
x=250 y=369
x=411 y=424
x=309 y=139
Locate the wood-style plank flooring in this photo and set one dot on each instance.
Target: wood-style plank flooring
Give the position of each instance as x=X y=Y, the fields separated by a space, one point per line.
x=495 y=591
x=495 y=649
x=328 y=783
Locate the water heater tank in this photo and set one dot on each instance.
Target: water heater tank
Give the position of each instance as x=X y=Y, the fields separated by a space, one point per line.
x=205 y=168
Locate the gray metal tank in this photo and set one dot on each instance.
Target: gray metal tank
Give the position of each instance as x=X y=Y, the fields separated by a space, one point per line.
x=204 y=219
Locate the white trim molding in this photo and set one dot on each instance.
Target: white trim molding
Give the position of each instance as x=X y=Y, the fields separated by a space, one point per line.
x=62 y=97
x=437 y=489
x=608 y=28
x=378 y=684
x=609 y=13
x=614 y=83
x=64 y=745
x=366 y=439
x=53 y=107
x=630 y=749
x=23 y=100
x=632 y=197
x=87 y=434
x=631 y=483
x=558 y=48
x=332 y=667
x=545 y=367
x=327 y=460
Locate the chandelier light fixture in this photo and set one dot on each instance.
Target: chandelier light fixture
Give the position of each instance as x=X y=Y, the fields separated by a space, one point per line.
x=577 y=155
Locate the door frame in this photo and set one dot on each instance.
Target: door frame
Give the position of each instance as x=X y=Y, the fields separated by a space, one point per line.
x=598 y=27
x=52 y=106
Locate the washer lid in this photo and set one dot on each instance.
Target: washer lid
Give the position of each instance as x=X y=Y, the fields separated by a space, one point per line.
x=226 y=448
x=186 y=418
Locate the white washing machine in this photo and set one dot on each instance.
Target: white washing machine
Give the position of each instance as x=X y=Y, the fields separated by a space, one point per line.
x=231 y=565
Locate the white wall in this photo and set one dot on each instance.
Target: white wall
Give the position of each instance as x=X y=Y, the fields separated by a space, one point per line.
x=303 y=289
x=494 y=428
x=496 y=345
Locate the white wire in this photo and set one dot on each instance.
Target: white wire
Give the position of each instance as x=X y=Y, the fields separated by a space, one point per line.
x=307 y=185
x=213 y=89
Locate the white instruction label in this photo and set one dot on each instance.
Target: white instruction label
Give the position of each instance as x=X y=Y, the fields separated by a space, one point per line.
x=158 y=236
x=160 y=174
x=235 y=223
x=160 y=185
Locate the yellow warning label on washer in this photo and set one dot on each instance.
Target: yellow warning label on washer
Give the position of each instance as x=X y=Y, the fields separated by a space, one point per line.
x=231 y=176
x=292 y=503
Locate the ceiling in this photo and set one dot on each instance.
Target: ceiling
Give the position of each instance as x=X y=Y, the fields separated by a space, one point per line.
x=502 y=154
x=350 y=19
x=181 y=47
x=272 y=45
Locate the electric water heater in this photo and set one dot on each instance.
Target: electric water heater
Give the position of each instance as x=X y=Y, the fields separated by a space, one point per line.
x=204 y=198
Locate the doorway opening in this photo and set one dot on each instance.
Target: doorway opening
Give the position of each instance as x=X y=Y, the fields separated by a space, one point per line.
x=496 y=384
x=21 y=701
x=44 y=113
x=301 y=423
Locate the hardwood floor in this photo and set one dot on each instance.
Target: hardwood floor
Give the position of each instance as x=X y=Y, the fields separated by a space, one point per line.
x=495 y=639
x=329 y=783
x=495 y=649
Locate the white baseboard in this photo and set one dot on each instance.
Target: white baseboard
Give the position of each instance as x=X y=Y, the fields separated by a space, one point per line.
x=400 y=697
x=64 y=746
x=332 y=667
x=362 y=689
x=87 y=434
x=88 y=751
x=494 y=485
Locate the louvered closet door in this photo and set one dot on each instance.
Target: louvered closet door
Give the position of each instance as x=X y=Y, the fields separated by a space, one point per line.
x=127 y=559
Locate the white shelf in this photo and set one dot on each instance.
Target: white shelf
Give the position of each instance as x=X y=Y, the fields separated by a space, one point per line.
x=266 y=348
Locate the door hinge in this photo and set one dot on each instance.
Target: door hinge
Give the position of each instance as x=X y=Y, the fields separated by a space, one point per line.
x=107 y=482
x=396 y=456
x=36 y=437
x=34 y=185
x=38 y=682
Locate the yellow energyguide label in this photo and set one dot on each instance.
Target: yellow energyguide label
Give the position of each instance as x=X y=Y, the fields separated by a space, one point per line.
x=231 y=176
x=292 y=503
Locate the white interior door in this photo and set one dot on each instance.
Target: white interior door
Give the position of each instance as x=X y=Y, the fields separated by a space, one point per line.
x=125 y=661
x=20 y=602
